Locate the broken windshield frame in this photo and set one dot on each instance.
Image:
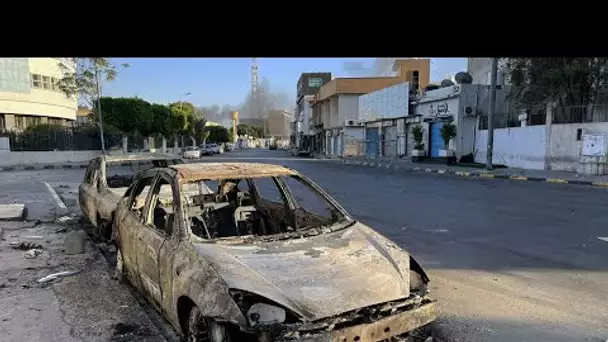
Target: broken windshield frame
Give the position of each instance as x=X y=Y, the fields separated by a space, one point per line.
x=229 y=212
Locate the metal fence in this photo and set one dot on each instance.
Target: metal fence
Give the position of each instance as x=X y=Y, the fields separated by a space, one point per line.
x=580 y=114
x=78 y=138
x=56 y=138
x=385 y=149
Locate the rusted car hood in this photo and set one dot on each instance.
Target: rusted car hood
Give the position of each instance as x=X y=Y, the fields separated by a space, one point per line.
x=319 y=276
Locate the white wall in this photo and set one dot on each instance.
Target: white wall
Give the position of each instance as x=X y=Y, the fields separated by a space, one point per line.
x=45 y=158
x=387 y=103
x=349 y=107
x=521 y=147
x=334 y=115
x=565 y=150
x=31 y=101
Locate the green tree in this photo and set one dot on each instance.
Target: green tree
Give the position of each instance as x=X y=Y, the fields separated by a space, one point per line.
x=129 y=115
x=218 y=134
x=81 y=77
x=253 y=131
x=566 y=80
x=184 y=113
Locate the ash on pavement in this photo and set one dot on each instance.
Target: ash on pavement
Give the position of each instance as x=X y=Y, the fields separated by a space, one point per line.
x=88 y=306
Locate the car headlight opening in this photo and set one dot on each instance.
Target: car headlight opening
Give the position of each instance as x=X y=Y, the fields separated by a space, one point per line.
x=263 y=314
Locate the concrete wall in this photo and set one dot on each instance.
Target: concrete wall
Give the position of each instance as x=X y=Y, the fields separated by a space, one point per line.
x=521 y=147
x=19 y=96
x=348 y=108
x=565 y=149
x=47 y=157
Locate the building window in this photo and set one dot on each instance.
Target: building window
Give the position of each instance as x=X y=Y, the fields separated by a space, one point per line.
x=36 y=81
x=55 y=84
x=46 y=82
x=415 y=79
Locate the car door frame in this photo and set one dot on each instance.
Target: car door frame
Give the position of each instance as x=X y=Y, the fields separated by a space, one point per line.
x=154 y=239
x=127 y=233
x=87 y=190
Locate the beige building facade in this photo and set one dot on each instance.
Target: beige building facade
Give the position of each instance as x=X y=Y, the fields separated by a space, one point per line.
x=29 y=93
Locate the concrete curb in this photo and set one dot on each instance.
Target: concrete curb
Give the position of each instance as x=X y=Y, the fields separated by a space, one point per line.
x=38 y=167
x=43 y=167
x=480 y=174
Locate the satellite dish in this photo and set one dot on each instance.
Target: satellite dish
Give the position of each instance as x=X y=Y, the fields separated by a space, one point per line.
x=463 y=78
x=446 y=83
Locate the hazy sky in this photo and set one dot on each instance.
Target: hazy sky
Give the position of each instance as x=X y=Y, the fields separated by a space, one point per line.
x=226 y=80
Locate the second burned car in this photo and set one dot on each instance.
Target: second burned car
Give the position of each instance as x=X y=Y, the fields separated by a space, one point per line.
x=261 y=253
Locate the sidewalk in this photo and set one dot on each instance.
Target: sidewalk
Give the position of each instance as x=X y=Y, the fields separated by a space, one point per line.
x=560 y=177
x=87 y=306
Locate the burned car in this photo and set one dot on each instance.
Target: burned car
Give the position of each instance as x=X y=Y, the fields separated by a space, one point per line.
x=106 y=180
x=261 y=253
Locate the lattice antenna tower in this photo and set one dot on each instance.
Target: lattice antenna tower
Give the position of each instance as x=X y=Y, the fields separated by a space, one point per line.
x=255 y=84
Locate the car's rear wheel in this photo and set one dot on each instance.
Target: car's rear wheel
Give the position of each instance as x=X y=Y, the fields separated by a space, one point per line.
x=201 y=329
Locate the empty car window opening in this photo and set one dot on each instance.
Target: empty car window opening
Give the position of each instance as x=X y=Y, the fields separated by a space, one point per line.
x=262 y=206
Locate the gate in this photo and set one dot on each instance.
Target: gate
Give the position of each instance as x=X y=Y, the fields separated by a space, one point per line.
x=436 y=140
x=372 y=138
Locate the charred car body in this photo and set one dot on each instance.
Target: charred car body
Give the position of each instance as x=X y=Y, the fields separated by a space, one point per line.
x=103 y=187
x=266 y=256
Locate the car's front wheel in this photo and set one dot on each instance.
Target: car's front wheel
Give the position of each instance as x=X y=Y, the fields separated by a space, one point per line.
x=204 y=329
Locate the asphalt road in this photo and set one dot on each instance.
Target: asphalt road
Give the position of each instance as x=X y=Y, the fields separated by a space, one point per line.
x=508 y=260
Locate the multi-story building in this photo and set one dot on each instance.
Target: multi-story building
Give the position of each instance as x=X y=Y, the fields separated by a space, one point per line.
x=308 y=84
x=335 y=113
x=278 y=124
x=30 y=95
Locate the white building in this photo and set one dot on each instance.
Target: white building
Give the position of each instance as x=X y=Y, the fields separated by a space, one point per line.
x=465 y=105
x=29 y=93
x=383 y=113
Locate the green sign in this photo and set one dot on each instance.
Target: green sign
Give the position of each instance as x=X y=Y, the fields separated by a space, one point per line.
x=315 y=82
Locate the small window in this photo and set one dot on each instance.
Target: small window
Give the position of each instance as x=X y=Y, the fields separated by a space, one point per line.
x=161 y=214
x=268 y=190
x=46 y=82
x=36 y=81
x=55 y=84
x=140 y=192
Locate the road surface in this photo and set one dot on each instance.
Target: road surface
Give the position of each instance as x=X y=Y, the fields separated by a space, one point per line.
x=509 y=261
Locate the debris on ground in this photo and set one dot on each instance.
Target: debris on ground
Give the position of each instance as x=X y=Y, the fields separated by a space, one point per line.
x=32 y=253
x=126 y=332
x=74 y=242
x=71 y=218
x=24 y=246
x=57 y=275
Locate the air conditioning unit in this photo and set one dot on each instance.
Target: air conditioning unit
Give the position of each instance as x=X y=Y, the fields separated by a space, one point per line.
x=353 y=123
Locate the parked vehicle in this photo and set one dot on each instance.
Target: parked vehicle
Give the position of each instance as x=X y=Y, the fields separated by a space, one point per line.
x=213 y=148
x=192 y=152
x=229 y=147
x=262 y=253
x=103 y=187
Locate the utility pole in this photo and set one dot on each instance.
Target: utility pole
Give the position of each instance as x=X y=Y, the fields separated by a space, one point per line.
x=491 y=113
x=99 y=115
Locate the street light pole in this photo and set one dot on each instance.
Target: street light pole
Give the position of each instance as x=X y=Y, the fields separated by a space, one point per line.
x=491 y=113
x=99 y=115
